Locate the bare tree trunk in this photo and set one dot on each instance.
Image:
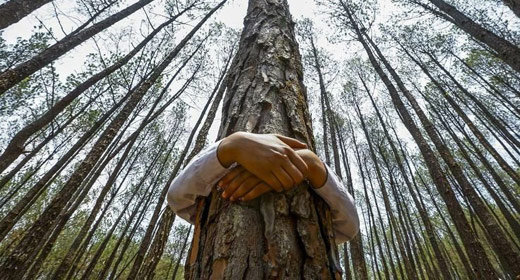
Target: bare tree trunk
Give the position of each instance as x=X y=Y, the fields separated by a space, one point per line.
x=422 y=212
x=13 y=11
x=514 y=5
x=505 y=50
x=499 y=241
x=372 y=223
x=23 y=70
x=178 y=262
x=393 y=223
x=17 y=145
x=147 y=269
x=17 y=261
x=356 y=244
x=501 y=125
x=483 y=267
x=9 y=220
x=265 y=94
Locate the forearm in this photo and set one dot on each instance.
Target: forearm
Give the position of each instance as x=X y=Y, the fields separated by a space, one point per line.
x=344 y=214
x=196 y=179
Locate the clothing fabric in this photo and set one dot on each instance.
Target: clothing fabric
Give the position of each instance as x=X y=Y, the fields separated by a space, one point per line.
x=205 y=170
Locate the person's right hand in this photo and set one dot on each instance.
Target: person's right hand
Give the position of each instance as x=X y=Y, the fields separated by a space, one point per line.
x=269 y=157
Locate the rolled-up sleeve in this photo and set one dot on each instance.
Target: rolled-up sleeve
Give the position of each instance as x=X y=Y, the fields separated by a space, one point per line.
x=195 y=180
x=345 y=219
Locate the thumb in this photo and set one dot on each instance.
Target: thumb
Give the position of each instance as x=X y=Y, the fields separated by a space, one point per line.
x=291 y=142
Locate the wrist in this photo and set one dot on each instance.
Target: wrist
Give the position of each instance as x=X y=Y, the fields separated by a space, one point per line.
x=318 y=173
x=227 y=153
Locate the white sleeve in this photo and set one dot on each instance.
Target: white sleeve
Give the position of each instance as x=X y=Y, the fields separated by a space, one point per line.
x=195 y=180
x=345 y=219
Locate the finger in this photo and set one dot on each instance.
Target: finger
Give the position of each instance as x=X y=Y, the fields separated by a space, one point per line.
x=284 y=178
x=245 y=187
x=295 y=174
x=233 y=186
x=291 y=142
x=297 y=161
x=272 y=181
x=230 y=176
x=257 y=191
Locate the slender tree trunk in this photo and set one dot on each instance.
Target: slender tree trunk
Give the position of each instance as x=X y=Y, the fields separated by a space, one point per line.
x=23 y=70
x=386 y=200
x=265 y=94
x=329 y=123
x=373 y=227
x=71 y=255
x=514 y=5
x=356 y=244
x=9 y=220
x=181 y=255
x=500 y=242
x=505 y=50
x=17 y=144
x=154 y=254
x=502 y=126
x=482 y=139
x=14 y=10
x=483 y=267
x=422 y=212
x=16 y=262
x=495 y=91
x=42 y=144
x=324 y=110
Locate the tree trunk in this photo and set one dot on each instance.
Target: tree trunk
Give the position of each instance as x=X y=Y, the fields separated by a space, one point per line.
x=514 y=5
x=421 y=209
x=13 y=11
x=147 y=268
x=476 y=252
x=11 y=77
x=505 y=50
x=9 y=220
x=356 y=244
x=17 y=145
x=287 y=235
x=499 y=241
x=16 y=262
x=503 y=127
x=393 y=223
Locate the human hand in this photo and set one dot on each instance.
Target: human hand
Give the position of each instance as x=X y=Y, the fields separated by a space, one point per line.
x=240 y=184
x=317 y=174
x=269 y=157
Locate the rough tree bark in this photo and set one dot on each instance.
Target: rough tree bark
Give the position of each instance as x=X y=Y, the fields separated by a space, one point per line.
x=278 y=236
x=13 y=11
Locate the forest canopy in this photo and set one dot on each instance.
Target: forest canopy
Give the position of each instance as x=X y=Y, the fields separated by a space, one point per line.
x=415 y=104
